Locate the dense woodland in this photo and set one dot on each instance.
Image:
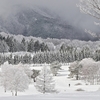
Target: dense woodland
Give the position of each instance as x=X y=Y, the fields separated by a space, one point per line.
x=45 y=51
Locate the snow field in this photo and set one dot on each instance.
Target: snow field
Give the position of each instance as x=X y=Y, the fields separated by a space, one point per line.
x=64 y=96
x=64 y=92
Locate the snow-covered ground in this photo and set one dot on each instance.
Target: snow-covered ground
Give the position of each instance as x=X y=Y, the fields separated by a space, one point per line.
x=64 y=96
x=64 y=92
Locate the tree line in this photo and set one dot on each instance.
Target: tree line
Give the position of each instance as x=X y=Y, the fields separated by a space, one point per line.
x=10 y=44
x=65 y=55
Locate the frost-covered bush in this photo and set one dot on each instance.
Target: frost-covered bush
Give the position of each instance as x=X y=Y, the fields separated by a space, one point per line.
x=78 y=84
x=79 y=89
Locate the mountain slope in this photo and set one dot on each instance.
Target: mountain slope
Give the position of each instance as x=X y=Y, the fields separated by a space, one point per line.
x=40 y=23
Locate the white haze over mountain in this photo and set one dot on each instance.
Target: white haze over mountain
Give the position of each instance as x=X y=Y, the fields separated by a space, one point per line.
x=66 y=9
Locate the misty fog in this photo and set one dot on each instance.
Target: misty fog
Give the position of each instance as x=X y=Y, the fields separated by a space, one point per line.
x=66 y=9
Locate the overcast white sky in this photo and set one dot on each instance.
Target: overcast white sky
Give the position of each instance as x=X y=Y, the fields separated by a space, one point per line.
x=60 y=6
x=65 y=8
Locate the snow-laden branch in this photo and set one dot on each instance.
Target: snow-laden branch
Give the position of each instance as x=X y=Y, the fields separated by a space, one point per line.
x=96 y=23
x=91 y=7
x=91 y=33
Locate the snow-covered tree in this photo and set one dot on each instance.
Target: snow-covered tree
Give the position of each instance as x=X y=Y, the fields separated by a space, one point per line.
x=23 y=45
x=3 y=46
x=45 y=82
x=75 y=69
x=89 y=70
x=18 y=81
x=36 y=46
x=14 y=78
x=26 y=59
x=91 y=7
x=4 y=76
x=16 y=59
x=51 y=46
x=30 y=47
x=35 y=74
x=55 y=67
x=27 y=70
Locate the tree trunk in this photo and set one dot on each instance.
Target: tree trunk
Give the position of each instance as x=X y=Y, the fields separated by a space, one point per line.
x=15 y=93
x=77 y=77
x=34 y=79
x=44 y=90
x=12 y=93
x=5 y=90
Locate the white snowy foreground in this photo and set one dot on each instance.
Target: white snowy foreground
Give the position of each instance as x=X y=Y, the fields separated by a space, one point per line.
x=64 y=92
x=64 y=96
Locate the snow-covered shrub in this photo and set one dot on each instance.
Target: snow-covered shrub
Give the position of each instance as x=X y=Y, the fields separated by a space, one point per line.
x=79 y=89
x=78 y=84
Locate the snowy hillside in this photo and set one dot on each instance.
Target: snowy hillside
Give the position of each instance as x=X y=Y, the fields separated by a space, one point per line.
x=40 y=22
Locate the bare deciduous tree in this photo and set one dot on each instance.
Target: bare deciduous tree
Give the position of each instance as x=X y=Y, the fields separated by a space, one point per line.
x=14 y=78
x=44 y=82
x=91 y=7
